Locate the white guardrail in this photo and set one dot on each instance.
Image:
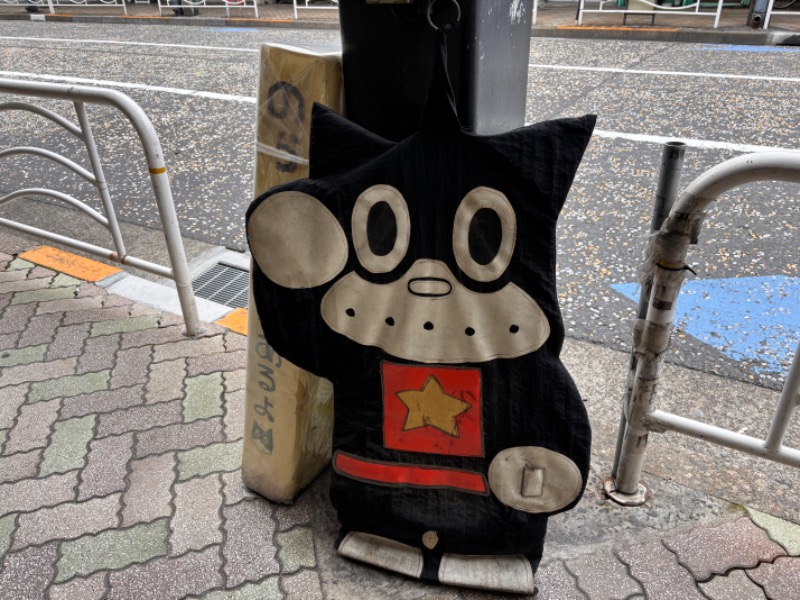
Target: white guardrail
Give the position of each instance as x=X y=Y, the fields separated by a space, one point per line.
x=782 y=13
x=304 y=4
x=666 y=266
x=180 y=7
x=52 y=4
x=190 y=7
x=651 y=9
x=80 y=96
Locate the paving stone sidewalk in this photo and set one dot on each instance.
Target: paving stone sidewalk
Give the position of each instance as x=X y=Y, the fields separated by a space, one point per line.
x=120 y=453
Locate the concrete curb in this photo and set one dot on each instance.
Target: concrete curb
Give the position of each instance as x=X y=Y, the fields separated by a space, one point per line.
x=670 y=34
x=178 y=21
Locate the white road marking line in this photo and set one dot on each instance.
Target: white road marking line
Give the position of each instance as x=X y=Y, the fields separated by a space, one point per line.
x=691 y=142
x=636 y=137
x=666 y=73
x=531 y=65
x=132 y=86
x=120 y=43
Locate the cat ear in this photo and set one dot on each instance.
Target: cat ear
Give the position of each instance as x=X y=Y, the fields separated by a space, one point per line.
x=338 y=145
x=295 y=240
x=547 y=153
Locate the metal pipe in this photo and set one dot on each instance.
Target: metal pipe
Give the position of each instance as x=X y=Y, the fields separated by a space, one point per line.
x=59 y=239
x=719 y=12
x=57 y=158
x=668 y=263
x=786 y=405
x=47 y=114
x=99 y=178
x=769 y=14
x=663 y=420
x=145 y=265
x=650 y=351
x=689 y=10
x=175 y=249
x=81 y=206
x=156 y=167
x=99 y=251
x=672 y=156
x=761 y=166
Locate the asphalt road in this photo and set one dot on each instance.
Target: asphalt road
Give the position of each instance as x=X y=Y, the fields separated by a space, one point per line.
x=198 y=87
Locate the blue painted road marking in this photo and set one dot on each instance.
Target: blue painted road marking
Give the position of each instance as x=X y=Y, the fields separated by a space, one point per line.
x=747 y=319
x=749 y=49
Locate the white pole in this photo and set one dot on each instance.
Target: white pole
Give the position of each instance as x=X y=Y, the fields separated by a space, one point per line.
x=769 y=14
x=667 y=264
x=156 y=166
x=786 y=405
x=719 y=13
x=100 y=180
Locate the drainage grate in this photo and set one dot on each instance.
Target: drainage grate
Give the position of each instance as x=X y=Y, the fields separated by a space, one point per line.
x=225 y=285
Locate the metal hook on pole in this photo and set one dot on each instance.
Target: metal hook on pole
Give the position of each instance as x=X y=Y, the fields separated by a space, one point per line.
x=430 y=14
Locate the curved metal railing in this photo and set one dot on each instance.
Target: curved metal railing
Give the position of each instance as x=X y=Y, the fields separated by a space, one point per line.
x=666 y=265
x=651 y=9
x=80 y=96
x=52 y=4
x=183 y=5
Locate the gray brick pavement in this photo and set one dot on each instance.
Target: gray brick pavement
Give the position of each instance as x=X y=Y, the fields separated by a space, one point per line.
x=120 y=446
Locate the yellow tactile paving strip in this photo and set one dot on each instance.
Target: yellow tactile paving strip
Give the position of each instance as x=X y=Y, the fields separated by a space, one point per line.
x=91 y=270
x=71 y=264
x=236 y=321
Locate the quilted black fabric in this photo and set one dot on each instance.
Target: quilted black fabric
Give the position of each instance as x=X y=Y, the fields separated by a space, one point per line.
x=431 y=305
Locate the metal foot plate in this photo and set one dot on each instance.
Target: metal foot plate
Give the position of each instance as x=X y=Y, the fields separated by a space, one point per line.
x=639 y=497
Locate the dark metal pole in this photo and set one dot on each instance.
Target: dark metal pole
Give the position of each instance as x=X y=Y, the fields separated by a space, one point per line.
x=757 y=14
x=667 y=191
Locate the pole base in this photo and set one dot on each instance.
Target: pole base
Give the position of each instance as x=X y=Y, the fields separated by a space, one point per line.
x=639 y=497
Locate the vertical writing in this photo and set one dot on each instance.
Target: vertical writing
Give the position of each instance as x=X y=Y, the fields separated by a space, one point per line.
x=286 y=103
x=269 y=362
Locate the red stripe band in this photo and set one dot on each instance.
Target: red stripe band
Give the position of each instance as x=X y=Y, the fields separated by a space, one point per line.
x=410 y=475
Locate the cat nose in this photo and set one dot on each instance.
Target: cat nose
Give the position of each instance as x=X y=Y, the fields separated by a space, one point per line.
x=430 y=279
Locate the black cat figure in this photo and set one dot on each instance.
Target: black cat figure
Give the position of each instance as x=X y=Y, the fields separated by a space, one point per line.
x=419 y=277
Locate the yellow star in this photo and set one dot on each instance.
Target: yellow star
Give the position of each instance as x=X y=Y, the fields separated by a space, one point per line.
x=431 y=406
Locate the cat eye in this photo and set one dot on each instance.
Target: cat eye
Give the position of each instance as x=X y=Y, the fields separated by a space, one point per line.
x=381 y=228
x=484 y=234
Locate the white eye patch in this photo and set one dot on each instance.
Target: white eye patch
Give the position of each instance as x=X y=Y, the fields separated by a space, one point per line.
x=395 y=210
x=296 y=240
x=484 y=199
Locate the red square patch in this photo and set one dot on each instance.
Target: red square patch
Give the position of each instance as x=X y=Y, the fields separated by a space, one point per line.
x=435 y=410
